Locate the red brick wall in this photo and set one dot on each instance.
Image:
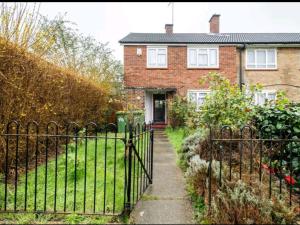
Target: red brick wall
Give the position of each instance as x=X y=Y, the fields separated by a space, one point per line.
x=136 y=98
x=177 y=75
x=214 y=24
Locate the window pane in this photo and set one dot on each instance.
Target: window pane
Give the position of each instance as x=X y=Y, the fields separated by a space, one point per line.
x=271 y=96
x=193 y=97
x=271 y=66
x=201 y=97
x=161 y=60
x=151 y=57
x=271 y=56
x=261 y=58
x=202 y=51
x=250 y=57
x=192 y=57
x=162 y=57
x=161 y=51
x=213 y=57
x=261 y=97
x=202 y=60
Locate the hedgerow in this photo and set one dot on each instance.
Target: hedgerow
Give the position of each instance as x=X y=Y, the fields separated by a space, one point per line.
x=34 y=89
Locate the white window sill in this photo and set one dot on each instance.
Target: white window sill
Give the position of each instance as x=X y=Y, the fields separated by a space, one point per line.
x=266 y=69
x=215 y=67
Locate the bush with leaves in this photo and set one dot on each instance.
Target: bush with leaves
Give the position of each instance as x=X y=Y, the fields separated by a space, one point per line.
x=282 y=120
x=235 y=202
x=240 y=203
x=182 y=113
x=191 y=146
x=227 y=104
x=177 y=111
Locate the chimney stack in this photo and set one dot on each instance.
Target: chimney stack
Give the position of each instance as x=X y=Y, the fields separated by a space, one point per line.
x=214 y=23
x=169 y=28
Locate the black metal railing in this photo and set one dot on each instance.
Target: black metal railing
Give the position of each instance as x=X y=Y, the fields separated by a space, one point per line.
x=254 y=156
x=140 y=163
x=69 y=168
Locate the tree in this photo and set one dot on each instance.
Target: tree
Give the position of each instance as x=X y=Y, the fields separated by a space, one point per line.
x=22 y=25
x=59 y=42
x=82 y=54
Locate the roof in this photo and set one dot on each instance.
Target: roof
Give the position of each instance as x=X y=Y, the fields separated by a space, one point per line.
x=208 y=38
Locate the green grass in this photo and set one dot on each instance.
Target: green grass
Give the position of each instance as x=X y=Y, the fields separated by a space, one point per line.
x=30 y=218
x=113 y=183
x=176 y=137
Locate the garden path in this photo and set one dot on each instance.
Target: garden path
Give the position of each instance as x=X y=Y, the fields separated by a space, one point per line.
x=166 y=200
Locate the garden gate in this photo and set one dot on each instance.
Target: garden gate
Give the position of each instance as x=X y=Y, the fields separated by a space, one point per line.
x=53 y=168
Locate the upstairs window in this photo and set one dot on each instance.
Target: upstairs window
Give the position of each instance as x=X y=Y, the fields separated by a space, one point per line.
x=197 y=97
x=263 y=96
x=261 y=59
x=157 y=57
x=203 y=57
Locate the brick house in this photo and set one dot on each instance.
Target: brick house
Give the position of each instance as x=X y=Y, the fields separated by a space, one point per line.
x=159 y=65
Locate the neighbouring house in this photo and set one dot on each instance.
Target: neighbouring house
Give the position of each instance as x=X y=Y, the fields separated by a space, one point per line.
x=159 y=65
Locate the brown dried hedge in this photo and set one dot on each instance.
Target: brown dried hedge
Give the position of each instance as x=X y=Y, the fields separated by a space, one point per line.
x=33 y=89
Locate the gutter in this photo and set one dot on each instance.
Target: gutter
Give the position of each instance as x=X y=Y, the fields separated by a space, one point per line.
x=277 y=44
x=241 y=79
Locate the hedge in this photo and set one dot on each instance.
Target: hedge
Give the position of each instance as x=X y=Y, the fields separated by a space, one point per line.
x=33 y=89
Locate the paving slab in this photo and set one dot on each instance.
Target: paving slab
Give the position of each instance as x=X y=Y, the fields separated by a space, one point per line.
x=167 y=202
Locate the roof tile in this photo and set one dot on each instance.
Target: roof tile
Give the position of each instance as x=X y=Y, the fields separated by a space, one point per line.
x=198 y=38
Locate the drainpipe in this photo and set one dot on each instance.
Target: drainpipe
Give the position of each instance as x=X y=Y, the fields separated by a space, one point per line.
x=241 y=83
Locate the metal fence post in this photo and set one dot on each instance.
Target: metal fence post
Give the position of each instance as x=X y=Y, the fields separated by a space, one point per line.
x=128 y=194
x=209 y=168
x=151 y=152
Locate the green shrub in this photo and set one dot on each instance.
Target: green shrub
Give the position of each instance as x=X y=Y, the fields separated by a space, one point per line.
x=240 y=203
x=177 y=111
x=281 y=121
x=182 y=113
x=226 y=104
x=191 y=146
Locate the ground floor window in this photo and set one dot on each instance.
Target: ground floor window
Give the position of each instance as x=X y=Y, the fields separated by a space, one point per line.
x=197 y=97
x=263 y=96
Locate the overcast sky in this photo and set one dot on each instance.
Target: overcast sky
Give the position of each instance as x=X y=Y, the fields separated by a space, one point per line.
x=110 y=22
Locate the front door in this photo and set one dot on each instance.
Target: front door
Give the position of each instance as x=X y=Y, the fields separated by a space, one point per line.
x=159 y=105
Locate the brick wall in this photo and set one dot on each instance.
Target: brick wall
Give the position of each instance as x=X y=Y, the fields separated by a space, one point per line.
x=136 y=98
x=286 y=77
x=214 y=24
x=177 y=75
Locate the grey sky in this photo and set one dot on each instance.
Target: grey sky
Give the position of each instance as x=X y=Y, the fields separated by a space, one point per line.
x=109 y=22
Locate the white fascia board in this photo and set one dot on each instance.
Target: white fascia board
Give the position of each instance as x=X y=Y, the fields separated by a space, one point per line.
x=174 y=44
x=271 y=45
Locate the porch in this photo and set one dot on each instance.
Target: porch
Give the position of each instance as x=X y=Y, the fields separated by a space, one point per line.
x=156 y=108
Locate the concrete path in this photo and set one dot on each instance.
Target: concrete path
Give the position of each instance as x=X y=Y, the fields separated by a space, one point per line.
x=166 y=200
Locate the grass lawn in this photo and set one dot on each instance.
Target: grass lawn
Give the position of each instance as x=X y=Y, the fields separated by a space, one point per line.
x=91 y=178
x=176 y=137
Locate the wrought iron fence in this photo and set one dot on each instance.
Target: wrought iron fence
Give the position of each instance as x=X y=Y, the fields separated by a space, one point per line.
x=254 y=156
x=89 y=169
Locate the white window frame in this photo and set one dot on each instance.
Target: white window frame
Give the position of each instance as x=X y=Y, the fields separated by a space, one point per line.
x=156 y=52
x=267 y=92
x=207 y=48
x=197 y=91
x=255 y=63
